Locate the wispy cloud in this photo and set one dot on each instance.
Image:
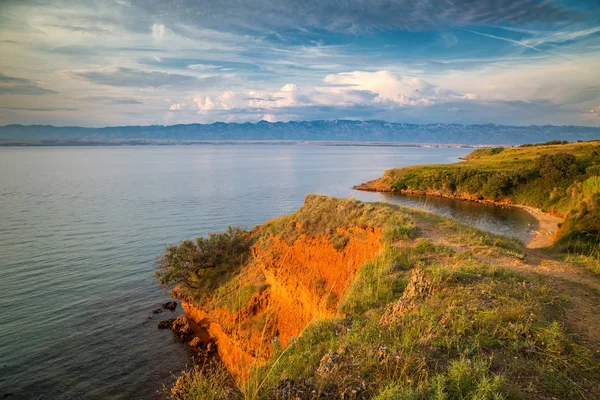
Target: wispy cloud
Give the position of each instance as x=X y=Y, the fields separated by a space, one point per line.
x=540 y=38
x=177 y=61
x=15 y=85
x=108 y=99
x=136 y=78
x=357 y=15
x=43 y=109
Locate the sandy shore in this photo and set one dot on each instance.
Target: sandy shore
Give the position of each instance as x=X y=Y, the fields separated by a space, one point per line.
x=543 y=236
x=547 y=227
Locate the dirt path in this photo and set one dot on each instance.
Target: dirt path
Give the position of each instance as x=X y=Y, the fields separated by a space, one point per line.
x=579 y=287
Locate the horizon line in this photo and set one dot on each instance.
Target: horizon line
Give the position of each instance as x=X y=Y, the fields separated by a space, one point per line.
x=262 y=121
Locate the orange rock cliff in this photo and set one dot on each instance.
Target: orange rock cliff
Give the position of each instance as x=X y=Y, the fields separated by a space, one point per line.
x=295 y=281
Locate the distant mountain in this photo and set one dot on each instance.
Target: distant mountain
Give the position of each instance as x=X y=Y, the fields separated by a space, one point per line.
x=336 y=130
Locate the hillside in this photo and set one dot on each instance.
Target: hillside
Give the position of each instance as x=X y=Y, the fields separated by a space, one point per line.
x=351 y=300
x=335 y=130
x=559 y=178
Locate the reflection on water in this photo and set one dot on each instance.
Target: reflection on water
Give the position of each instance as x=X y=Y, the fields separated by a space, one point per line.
x=503 y=220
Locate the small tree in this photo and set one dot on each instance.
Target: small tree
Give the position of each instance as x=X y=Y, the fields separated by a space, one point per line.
x=202 y=263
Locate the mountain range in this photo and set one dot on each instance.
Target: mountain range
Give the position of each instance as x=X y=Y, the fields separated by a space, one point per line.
x=331 y=131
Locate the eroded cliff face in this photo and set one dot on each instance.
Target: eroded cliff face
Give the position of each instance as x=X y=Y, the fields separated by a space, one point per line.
x=300 y=281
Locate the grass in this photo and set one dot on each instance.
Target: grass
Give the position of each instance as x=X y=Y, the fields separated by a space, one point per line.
x=207 y=382
x=419 y=321
x=476 y=240
x=322 y=215
x=479 y=333
x=561 y=178
x=235 y=294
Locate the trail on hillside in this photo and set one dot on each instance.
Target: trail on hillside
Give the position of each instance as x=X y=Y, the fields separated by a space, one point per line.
x=580 y=288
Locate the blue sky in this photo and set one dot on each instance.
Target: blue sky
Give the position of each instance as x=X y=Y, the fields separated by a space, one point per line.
x=142 y=62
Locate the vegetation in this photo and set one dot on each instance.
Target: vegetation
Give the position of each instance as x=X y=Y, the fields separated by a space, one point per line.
x=207 y=382
x=440 y=313
x=322 y=215
x=558 y=177
x=200 y=266
x=424 y=322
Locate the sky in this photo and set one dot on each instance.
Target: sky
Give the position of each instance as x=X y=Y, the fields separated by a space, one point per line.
x=164 y=62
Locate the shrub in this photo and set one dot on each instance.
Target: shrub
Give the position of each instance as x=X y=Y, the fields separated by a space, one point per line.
x=212 y=382
x=201 y=264
x=557 y=167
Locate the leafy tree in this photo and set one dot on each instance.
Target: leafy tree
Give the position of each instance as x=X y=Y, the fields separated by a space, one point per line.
x=200 y=264
x=558 y=167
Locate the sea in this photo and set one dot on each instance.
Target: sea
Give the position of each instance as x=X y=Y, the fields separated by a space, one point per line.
x=81 y=228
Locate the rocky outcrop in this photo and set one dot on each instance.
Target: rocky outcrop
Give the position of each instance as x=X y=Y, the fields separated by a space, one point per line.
x=166 y=324
x=305 y=280
x=419 y=287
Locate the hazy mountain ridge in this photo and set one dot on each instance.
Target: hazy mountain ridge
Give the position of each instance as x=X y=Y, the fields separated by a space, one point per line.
x=334 y=130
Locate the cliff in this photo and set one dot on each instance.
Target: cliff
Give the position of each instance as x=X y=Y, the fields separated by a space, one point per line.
x=298 y=270
x=351 y=300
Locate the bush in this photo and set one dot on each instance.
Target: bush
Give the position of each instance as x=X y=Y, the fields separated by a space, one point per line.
x=557 y=167
x=209 y=383
x=199 y=265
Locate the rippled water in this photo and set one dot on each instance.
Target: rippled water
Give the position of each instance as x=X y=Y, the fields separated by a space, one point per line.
x=80 y=228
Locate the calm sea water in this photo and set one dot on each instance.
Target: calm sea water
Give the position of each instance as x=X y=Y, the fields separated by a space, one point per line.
x=80 y=229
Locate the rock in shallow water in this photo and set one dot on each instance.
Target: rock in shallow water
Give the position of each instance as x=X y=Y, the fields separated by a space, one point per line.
x=166 y=324
x=157 y=311
x=181 y=327
x=170 y=305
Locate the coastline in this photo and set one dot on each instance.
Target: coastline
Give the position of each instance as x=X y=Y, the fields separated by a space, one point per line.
x=543 y=236
x=8 y=143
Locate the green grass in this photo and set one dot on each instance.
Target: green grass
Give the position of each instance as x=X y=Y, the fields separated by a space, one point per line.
x=323 y=215
x=419 y=321
x=559 y=178
x=479 y=333
x=234 y=295
x=207 y=382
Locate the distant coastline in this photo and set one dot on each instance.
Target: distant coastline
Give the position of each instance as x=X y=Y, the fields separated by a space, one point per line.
x=116 y=143
x=328 y=132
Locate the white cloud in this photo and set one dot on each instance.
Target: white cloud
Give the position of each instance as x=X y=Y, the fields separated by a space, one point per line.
x=554 y=78
x=290 y=87
x=269 y=118
x=158 y=31
x=177 y=106
x=403 y=91
x=204 y=104
x=202 y=67
x=230 y=100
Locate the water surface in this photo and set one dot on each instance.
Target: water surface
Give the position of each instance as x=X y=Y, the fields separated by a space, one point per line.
x=81 y=227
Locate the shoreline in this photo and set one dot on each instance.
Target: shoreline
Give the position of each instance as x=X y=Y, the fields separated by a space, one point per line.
x=9 y=143
x=543 y=236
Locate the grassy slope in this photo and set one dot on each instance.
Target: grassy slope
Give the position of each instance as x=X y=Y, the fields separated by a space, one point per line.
x=424 y=319
x=563 y=179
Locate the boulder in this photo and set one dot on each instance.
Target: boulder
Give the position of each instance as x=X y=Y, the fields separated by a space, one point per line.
x=170 y=305
x=166 y=324
x=181 y=327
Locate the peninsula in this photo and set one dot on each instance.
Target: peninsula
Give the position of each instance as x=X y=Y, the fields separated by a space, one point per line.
x=344 y=299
